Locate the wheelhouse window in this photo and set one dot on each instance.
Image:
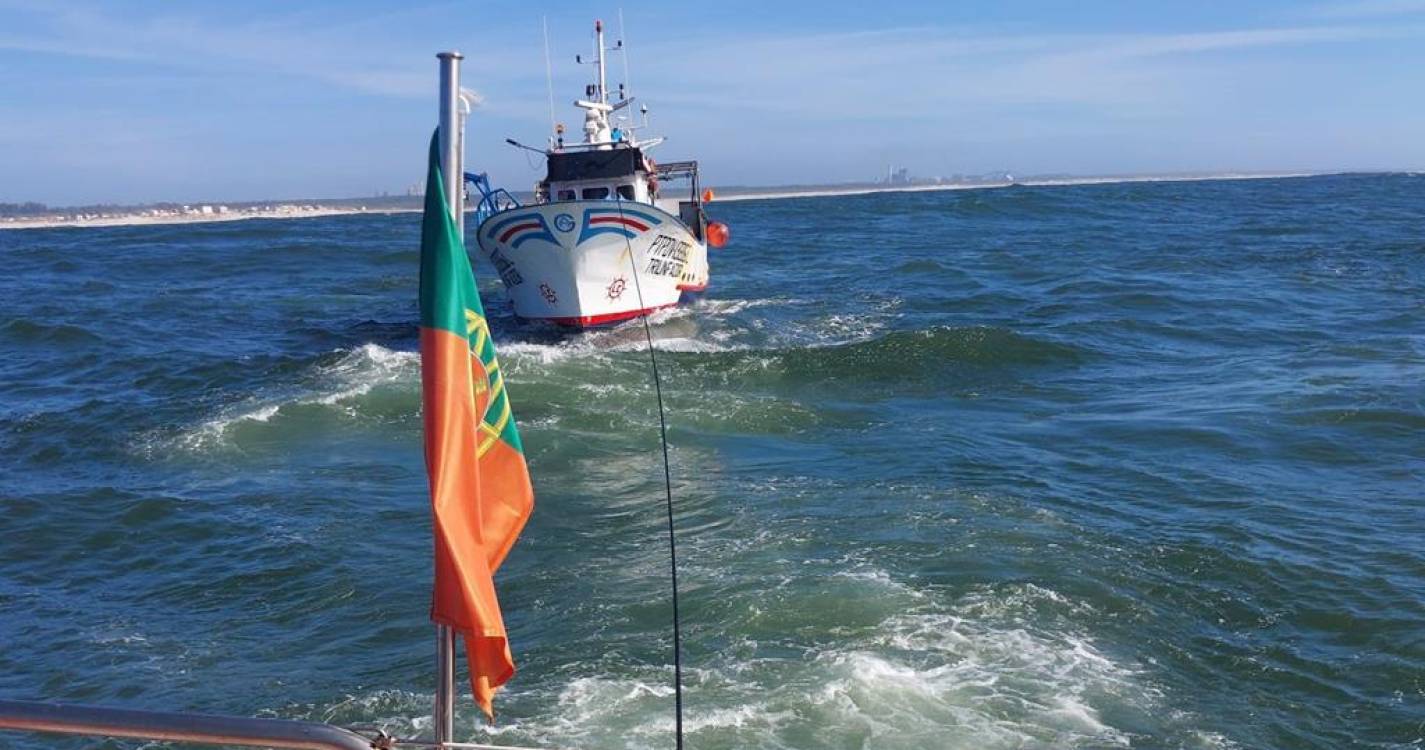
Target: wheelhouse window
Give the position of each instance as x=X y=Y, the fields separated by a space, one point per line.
x=595 y=193
x=566 y=195
x=625 y=192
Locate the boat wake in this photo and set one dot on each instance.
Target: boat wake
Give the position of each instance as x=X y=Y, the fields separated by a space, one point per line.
x=328 y=390
x=1000 y=667
x=556 y=378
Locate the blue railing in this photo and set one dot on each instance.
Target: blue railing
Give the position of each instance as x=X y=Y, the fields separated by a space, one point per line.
x=492 y=200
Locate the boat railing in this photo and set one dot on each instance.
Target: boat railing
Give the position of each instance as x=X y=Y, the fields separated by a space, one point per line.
x=674 y=170
x=492 y=200
x=209 y=729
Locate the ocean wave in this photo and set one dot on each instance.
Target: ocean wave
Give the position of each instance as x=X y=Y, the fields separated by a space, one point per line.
x=710 y=306
x=372 y=383
x=704 y=325
x=25 y=331
x=889 y=357
x=330 y=387
x=668 y=335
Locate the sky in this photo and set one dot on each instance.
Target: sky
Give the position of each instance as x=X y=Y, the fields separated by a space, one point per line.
x=141 y=101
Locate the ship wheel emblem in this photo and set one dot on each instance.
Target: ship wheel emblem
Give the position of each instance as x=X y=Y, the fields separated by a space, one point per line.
x=548 y=292
x=616 y=288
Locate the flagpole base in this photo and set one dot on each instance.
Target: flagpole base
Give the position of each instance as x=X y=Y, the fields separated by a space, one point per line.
x=444 y=716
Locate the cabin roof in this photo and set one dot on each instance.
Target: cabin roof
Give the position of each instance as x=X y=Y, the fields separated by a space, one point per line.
x=570 y=166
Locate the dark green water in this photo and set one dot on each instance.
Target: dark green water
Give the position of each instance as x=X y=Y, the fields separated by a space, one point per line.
x=1117 y=465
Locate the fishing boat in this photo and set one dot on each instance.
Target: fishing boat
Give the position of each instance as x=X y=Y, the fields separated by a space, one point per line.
x=600 y=243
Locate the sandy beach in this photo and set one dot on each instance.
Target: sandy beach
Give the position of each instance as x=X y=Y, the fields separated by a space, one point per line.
x=155 y=218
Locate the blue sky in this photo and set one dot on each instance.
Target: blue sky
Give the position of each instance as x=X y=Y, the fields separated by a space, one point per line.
x=144 y=101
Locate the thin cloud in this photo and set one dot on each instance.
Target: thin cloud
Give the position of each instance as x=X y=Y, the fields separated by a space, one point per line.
x=935 y=72
x=290 y=47
x=1368 y=9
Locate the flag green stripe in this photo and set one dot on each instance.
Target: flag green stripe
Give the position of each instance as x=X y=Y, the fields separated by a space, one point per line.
x=448 y=289
x=447 y=282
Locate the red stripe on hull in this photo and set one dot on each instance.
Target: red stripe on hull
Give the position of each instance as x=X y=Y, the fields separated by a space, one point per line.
x=619 y=220
x=516 y=228
x=691 y=288
x=598 y=320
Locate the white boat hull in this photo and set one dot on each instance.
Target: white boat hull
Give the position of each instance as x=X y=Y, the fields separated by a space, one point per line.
x=574 y=262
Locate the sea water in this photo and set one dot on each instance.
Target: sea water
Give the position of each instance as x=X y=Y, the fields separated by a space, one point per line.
x=1036 y=467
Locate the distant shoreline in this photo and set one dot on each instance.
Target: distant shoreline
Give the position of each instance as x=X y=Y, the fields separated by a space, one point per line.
x=152 y=217
x=148 y=219
x=733 y=194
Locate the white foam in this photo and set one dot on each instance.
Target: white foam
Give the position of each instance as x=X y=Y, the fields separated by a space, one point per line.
x=620 y=339
x=880 y=579
x=401 y=712
x=261 y=414
x=355 y=374
x=968 y=677
x=674 y=329
x=545 y=354
x=365 y=368
x=718 y=307
x=677 y=344
x=1003 y=667
x=1213 y=740
x=214 y=430
x=998 y=668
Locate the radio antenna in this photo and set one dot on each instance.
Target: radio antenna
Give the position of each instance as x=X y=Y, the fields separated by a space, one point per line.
x=623 y=47
x=549 y=79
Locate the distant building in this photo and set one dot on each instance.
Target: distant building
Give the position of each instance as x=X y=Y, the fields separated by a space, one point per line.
x=898 y=176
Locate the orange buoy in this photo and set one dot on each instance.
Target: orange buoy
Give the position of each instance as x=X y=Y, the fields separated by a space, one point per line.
x=708 y=195
x=718 y=233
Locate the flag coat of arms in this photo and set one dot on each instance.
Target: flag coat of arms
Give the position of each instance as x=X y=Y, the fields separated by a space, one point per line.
x=479 y=486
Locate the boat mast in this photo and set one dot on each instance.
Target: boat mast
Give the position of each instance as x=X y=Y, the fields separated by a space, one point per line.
x=549 y=84
x=598 y=129
x=596 y=107
x=599 y=45
x=627 y=85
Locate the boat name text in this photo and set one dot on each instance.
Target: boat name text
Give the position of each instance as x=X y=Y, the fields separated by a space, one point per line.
x=508 y=273
x=667 y=256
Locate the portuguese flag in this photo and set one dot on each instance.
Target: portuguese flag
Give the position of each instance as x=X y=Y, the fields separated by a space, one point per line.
x=479 y=487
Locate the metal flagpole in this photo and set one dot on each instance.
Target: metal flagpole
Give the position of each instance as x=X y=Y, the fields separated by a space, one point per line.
x=444 y=716
x=452 y=170
x=451 y=159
